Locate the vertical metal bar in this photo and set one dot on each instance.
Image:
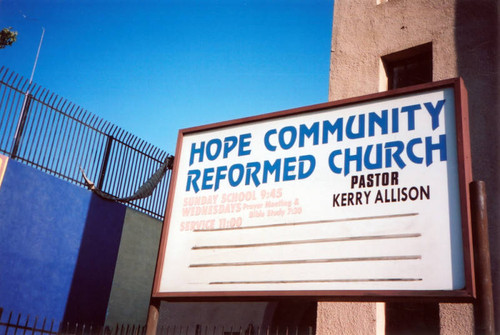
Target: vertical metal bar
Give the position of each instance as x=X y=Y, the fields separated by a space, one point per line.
x=484 y=313
x=8 y=323
x=37 y=129
x=57 y=140
x=17 y=323
x=89 y=159
x=43 y=130
x=97 y=152
x=126 y=165
x=82 y=150
x=6 y=138
x=64 y=144
x=75 y=132
x=34 y=325
x=51 y=330
x=27 y=139
x=134 y=167
x=46 y=133
x=25 y=323
x=54 y=124
x=119 y=158
x=104 y=165
x=116 y=154
x=125 y=152
x=10 y=105
x=20 y=125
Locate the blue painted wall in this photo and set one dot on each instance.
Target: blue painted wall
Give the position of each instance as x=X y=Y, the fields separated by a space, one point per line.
x=58 y=246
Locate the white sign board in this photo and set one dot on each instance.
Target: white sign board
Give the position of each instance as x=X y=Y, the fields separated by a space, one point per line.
x=361 y=196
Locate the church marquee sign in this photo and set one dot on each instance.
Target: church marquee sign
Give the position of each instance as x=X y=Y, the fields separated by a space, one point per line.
x=360 y=197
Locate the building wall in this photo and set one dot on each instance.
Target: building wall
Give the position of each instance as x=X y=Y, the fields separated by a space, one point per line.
x=41 y=229
x=66 y=254
x=135 y=268
x=464 y=37
x=223 y=315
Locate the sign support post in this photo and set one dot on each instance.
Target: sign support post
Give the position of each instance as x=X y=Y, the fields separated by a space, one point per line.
x=483 y=311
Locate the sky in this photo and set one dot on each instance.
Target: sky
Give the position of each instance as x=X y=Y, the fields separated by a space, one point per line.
x=153 y=67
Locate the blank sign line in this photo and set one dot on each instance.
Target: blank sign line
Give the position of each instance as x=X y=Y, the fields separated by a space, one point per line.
x=311 y=281
x=391 y=216
x=309 y=261
x=322 y=240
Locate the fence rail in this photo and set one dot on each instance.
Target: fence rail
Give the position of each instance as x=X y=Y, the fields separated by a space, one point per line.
x=43 y=130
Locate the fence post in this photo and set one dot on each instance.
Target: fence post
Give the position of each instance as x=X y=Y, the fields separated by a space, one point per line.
x=105 y=160
x=484 y=314
x=20 y=124
x=153 y=315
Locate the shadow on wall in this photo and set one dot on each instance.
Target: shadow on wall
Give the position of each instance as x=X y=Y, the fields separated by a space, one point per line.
x=94 y=270
x=290 y=313
x=477 y=47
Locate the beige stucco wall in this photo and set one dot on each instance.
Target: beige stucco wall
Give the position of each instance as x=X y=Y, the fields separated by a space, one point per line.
x=343 y=318
x=364 y=31
x=464 y=36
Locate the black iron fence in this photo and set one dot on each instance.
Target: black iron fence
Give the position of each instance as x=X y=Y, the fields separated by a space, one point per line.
x=12 y=324
x=249 y=330
x=49 y=133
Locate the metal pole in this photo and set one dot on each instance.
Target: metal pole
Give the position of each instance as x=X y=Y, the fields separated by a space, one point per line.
x=153 y=316
x=26 y=103
x=20 y=125
x=483 y=311
x=36 y=58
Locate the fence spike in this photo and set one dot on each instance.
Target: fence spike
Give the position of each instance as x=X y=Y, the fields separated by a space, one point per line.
x=70 y=109
x=51 y=98
x=34 y=325
x=51 y=326
x=108 y=128
x=99 y=123
x=64 y=102
x=147 y=149
x=142 y=145
x=35 y=95
x=79 y=110
x=86 y=116
x=156 y=152
x=14 y=80
x=24 y=84
x=115 y=130
x=8 y=82
x=120 y=134
x=48 y=98
x=128 y=138
x=134 y=141
x=56 y=102
x=92 y=120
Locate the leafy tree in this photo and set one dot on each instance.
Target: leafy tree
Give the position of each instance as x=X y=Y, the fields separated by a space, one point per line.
x=7 y=37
